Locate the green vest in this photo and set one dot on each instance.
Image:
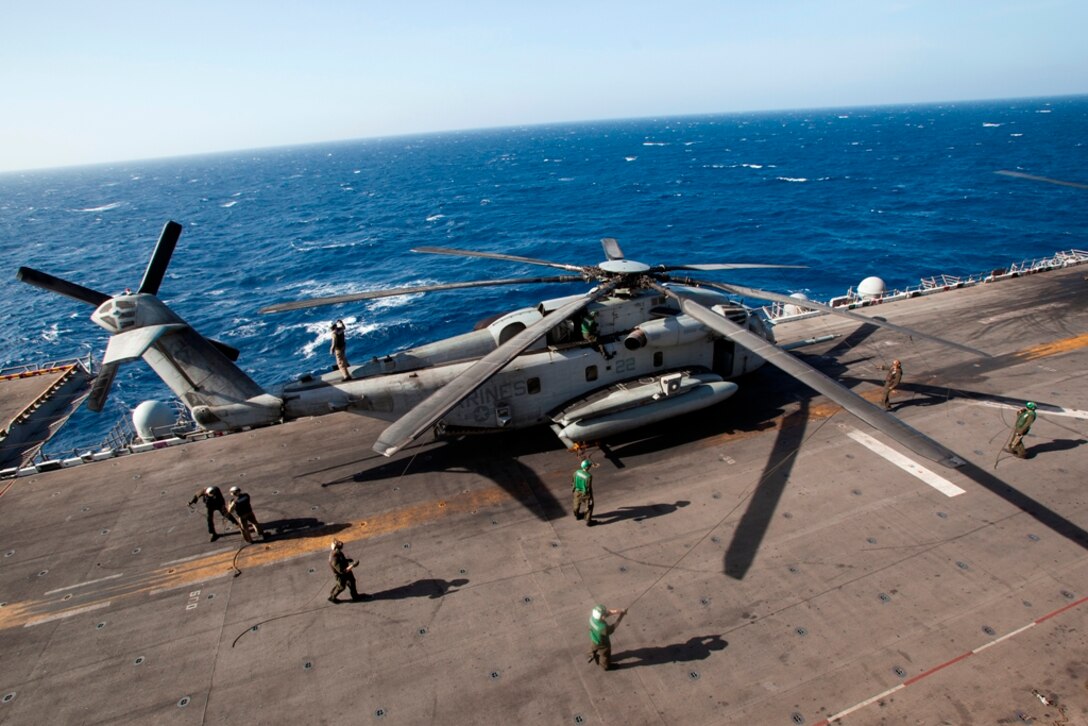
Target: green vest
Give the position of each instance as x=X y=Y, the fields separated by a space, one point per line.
x=598 y=632
x=1024 y=421
x=583 y=480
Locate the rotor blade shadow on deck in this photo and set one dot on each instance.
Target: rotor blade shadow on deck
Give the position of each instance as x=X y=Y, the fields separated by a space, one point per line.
x=752 y=527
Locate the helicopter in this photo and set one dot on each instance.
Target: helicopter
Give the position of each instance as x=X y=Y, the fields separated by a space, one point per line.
x=642 y=345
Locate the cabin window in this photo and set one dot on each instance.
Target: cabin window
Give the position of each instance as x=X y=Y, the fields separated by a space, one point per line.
x=591 y=373
x=659 y=359
x=533 y=385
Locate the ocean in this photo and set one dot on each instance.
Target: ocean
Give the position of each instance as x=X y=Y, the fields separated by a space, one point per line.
x=899 y=192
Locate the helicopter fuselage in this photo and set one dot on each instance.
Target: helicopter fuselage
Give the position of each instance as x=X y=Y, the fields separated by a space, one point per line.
x=640 y=336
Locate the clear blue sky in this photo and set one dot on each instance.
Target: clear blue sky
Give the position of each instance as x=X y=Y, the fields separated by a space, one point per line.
x=86 y=82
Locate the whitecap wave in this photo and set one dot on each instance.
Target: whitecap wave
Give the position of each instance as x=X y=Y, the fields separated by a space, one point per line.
x=798 y=179
x=336 y=245
x=103 y=208
x=52 y=333
x=655 y=143
x=630 y=158
x=320 y=334
x=990 y=125
x=435 y=217
x=228 y=205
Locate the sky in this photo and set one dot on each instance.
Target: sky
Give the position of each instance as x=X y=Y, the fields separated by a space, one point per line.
x=91 y=82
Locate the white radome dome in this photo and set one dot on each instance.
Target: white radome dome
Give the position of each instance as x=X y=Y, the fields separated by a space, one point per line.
x=152 y=416
x=788 y=309
x=871 y=287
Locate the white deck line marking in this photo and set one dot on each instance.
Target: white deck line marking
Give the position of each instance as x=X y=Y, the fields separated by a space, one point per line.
x=863 y=704
x=937 y=482
x=84 y=584
x=1006 y=636
x=1045 y=410
x=66 y=614
x=197 y=557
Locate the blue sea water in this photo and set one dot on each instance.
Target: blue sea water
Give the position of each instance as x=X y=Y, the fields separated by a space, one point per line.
x=899 y=192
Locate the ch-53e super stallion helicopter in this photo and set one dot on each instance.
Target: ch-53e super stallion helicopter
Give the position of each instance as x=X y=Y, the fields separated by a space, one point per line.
x=666 y=345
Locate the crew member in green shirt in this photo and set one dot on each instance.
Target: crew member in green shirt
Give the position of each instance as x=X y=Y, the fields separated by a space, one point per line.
x=1025 y=417
x=600 y=632
x=582 y=487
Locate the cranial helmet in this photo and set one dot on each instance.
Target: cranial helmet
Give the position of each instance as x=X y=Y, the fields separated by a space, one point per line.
x=235 y=490
x=1030 y=405
x=896 y=362
x=210 y=490
x=599 y=612
x=586 y=464
x=336 y=544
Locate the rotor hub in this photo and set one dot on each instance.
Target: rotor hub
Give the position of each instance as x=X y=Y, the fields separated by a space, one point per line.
x=624 y=267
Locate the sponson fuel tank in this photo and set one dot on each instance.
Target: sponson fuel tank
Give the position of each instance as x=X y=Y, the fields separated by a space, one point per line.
x=631 y=405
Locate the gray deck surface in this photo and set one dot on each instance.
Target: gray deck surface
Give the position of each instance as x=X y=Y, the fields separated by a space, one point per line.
x=777 y=570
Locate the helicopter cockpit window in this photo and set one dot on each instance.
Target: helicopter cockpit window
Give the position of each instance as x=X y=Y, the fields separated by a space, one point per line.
x=533 y=385
x=591 y=373
x=659 y=359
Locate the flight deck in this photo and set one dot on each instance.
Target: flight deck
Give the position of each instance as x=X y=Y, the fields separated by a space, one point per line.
x=782 y=563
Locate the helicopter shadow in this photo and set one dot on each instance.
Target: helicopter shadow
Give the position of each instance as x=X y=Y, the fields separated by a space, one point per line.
x=430 y=587
x=494 y=457
x=639 y=513
x=699 y=647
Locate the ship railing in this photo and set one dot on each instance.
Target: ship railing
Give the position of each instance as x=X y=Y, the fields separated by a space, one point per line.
x=120 y=440
x=86 y=363
x=777 y=312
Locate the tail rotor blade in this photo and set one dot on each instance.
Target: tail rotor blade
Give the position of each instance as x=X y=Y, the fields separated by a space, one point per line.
x=62 y=287
x=160 y=258
x=100 y=389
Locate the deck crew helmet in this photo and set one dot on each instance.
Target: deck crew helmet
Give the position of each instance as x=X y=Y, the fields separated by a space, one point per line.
x=235 y=490
x=210 y=490
x=586 y=464
x=599 y=612
x=1030 y=405
x=336 y=544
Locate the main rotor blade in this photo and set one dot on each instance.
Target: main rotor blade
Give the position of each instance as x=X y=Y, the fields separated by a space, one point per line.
x=497 y=256
x=438 y=404
x=100 y=389
x=374 y=294
x=612 y=249
x=711 y=266
x=160 y=258
x=62 y=287
x=886 y=423
x=811 y=305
